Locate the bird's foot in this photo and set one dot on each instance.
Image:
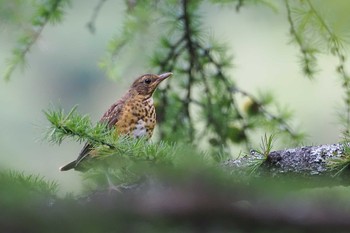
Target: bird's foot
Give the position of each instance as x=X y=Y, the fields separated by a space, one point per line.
x=112 y=187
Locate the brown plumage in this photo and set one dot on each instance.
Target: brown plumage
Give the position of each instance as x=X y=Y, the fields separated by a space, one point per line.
x=134 y=114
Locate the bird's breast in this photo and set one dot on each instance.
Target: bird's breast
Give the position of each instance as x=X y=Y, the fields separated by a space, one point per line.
x=138 y=119
x=140 y=129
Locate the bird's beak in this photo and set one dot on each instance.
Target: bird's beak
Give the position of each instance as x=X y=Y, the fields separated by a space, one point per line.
x=164 y=76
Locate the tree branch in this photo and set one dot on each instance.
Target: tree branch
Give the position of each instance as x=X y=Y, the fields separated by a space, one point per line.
x=91 y=23
x=308 y=161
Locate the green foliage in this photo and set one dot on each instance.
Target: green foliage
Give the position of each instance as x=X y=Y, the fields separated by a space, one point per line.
x=137 y=21
x=14 y=12
x=73 y=125
x=201 y=65
x=121 y=158
x=265 y=114
x=340 y=164
x=258 y=157
x=242 y=3
x=80 y=129
x=177 y=202
x=18 y=187
x=266 y=145
x=46 y=11
x=200 y=104
x=307 y=48
x=316 y=35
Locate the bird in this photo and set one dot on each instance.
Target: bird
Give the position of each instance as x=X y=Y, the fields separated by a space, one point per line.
x=132 y=115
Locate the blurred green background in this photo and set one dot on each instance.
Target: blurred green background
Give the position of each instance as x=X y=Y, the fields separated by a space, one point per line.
x=62 y=69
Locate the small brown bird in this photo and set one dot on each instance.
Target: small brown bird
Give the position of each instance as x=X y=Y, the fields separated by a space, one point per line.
x=134 y=114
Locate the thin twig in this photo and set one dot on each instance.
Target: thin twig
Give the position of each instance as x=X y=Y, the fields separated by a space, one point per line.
x=35 y=35
x=192 y=59
x=307 y=56
x=340 y=69
x=91 y=23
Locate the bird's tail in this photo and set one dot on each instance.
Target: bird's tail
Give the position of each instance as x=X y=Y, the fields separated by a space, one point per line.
x=69 y=166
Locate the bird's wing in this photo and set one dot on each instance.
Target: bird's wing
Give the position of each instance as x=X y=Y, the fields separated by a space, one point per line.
x=111 y=117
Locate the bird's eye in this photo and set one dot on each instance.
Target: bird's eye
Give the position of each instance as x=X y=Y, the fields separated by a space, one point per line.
x=148 y=80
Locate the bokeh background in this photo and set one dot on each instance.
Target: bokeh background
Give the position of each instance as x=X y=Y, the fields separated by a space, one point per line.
x=63 y=70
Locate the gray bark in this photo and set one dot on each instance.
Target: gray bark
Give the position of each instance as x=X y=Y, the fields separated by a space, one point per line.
x=305 y=161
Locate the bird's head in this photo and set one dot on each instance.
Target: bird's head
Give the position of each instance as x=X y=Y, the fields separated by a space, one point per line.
x=147 y=84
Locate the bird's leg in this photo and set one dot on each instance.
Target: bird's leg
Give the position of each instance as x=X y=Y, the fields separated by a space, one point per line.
x=112 y=187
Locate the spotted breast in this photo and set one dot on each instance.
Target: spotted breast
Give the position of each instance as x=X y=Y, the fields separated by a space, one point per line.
x=138 y=119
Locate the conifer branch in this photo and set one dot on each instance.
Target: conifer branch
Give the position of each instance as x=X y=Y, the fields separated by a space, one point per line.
x=77 y=127
x=46 y=12
x=280 y=120
x=192 y=59
x=308 y=53
x=336 y=48
x=202 y=65
x=135 y=23
x=309 y=25
x=28 y=184
x=108 y=144
x=91 y=24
